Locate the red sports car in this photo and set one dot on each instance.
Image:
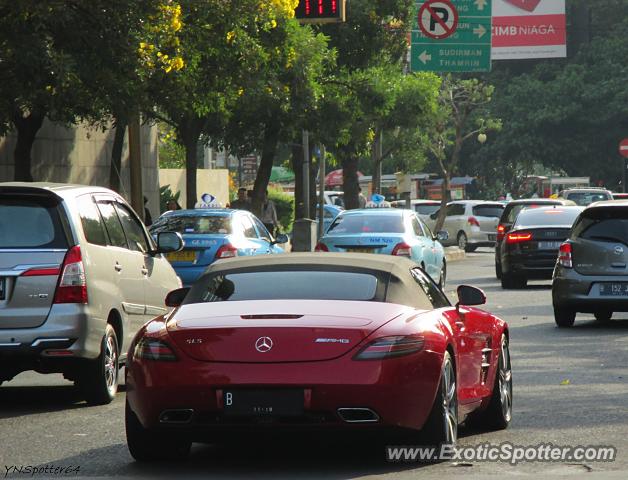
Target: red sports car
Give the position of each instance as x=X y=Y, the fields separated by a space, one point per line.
x=314 y=341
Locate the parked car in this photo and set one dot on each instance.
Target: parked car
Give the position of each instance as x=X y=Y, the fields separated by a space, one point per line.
x=388 y=231
x=586 y=196
x=470 y=223
x=530 y=248
x=424 y=208
x=591 y=273
x=327 y=343
x=210 y=234
x=79 y=276
x=329 y=213
x=509 y=215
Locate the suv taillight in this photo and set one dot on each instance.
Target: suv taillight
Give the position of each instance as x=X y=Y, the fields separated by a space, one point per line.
x=473 y=222
x=501 y=232
x=72 y=286
x=564 y=255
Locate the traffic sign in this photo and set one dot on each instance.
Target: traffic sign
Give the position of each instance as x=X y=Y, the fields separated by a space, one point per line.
x=438 y=19
x=623 y=148
x=451 y=36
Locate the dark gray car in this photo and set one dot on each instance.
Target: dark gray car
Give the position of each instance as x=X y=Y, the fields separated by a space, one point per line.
x=591 y=274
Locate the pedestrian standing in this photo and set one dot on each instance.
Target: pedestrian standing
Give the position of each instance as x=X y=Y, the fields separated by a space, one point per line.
x=148 y=220
x=242 y=202
x=361 y=199
x=269 y=214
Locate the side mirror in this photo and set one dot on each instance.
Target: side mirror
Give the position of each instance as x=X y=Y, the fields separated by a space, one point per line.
x=442 y=236
x=468 y=295
x=169 y=242
x=176 y=297
x=281 y=238
x=434 y=215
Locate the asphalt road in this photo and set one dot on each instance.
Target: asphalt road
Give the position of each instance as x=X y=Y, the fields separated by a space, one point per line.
x=570 y=388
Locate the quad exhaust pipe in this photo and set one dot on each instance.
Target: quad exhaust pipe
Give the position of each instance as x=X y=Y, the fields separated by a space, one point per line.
x=178 y=416
x=358 y=415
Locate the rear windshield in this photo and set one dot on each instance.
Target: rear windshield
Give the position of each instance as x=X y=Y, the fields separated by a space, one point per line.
x=278 y=285
x=585 y=198
x=603 y=224
x=366 y=223
x=426 y=209
x=193 y=224
x=547 y=216
x=514 y=210
x=493 y=211
x=30 y=222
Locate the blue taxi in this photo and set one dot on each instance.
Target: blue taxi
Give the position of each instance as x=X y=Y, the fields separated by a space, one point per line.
x=389 y=231
x=211 y=234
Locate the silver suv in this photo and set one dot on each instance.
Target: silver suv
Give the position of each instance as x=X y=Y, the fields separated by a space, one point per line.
x=79 y=275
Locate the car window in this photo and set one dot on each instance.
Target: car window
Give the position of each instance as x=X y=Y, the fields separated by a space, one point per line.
x=367 y=223
x=435 y=296
x=261 y=229
x=249 y=229
x=426 y=208
x=455 y=209
x=30 y=222
x=603 y=224
x=586 y=198
x=275 y=285
x=133 y=229
x=112 y=225
x=547 y=216
x=492 y=211
x=93 y=227
x=416 y=227
x=193 y=224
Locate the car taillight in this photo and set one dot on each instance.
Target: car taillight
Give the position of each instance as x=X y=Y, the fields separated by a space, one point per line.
x=501 y=232
x=321 y=247
x=473 y=222
x=226 y=251
x=564 y=255
x=41 y=272
x=153 y=349
x=402 y=250
x=72 y=286
x=390 y=347
x=518 y=237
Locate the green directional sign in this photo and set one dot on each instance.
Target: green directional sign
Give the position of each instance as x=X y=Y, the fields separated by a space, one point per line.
x=451 y=36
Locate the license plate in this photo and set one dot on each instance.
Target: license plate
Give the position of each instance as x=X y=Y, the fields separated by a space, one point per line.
x=359 y=250
x=491 y=237
x=2 y=288
x=618 y=289
x=183 y=256
x=280 y=403
x=549 y=245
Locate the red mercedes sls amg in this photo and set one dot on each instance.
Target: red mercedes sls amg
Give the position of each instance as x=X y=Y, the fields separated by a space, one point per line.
x=315 y=341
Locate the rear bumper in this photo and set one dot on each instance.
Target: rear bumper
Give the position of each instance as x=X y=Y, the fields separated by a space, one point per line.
x=581 y=293
x=400 y=391
x=537 y=266
x=479 y=238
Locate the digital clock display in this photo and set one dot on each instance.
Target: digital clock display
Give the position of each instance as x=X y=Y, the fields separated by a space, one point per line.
x=320 y=11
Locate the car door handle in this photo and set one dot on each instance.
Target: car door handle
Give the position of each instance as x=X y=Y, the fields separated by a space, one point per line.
x=118 y=267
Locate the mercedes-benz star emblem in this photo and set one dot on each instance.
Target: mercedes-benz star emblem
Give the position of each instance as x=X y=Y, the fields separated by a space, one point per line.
x=263 y=344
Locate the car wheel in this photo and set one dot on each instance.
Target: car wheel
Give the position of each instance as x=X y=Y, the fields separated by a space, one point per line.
x=498 y=270
x=603 y=316
x=443 y=276
x=462 y=241
x=146 y=445
x=99 y=378
x=564 y=317
x=511 y=281
x=442 y=424
x=499 y=411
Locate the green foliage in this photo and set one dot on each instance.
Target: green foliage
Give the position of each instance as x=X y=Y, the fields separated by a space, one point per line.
x=284 y=203
x=171 y=153
x=165 y=195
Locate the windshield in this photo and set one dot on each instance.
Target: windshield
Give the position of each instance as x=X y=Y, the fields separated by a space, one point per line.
x=547 y=217
x=603 y=224
x=586 y=198
x=367 y=223
x=193 y=224
x=276 y=285
x=30 y=222
x=491 y=211
x=426 y=208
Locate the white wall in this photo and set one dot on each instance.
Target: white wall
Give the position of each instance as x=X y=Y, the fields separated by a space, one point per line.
x=214 y=181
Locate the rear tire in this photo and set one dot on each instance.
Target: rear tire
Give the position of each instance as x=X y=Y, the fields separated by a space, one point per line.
x=145 y=445
x=564 y=317
x=443 y=277
x=462 y=241
x=603 y=316
x=99 y=378
x=441 y=427
x=498 y=270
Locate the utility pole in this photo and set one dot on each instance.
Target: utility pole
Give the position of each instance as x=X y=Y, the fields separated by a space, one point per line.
x=321 y=190
x=135 y=165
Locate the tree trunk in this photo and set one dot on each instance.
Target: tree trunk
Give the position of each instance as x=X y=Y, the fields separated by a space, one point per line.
x=313 y=186
x=350 y=183
x=297 y=168
x=115 y=171
x=27 y=128
x=189 y=132
x=376 y=160
x=269 y=149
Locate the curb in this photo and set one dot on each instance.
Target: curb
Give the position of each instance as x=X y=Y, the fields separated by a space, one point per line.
x=454 y=253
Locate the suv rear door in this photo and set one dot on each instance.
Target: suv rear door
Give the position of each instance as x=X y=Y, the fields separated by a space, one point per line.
x=34 y=238
x=599 y=241
x=487 y=215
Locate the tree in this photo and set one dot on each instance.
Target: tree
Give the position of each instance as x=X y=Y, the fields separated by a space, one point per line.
x=463 y=114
